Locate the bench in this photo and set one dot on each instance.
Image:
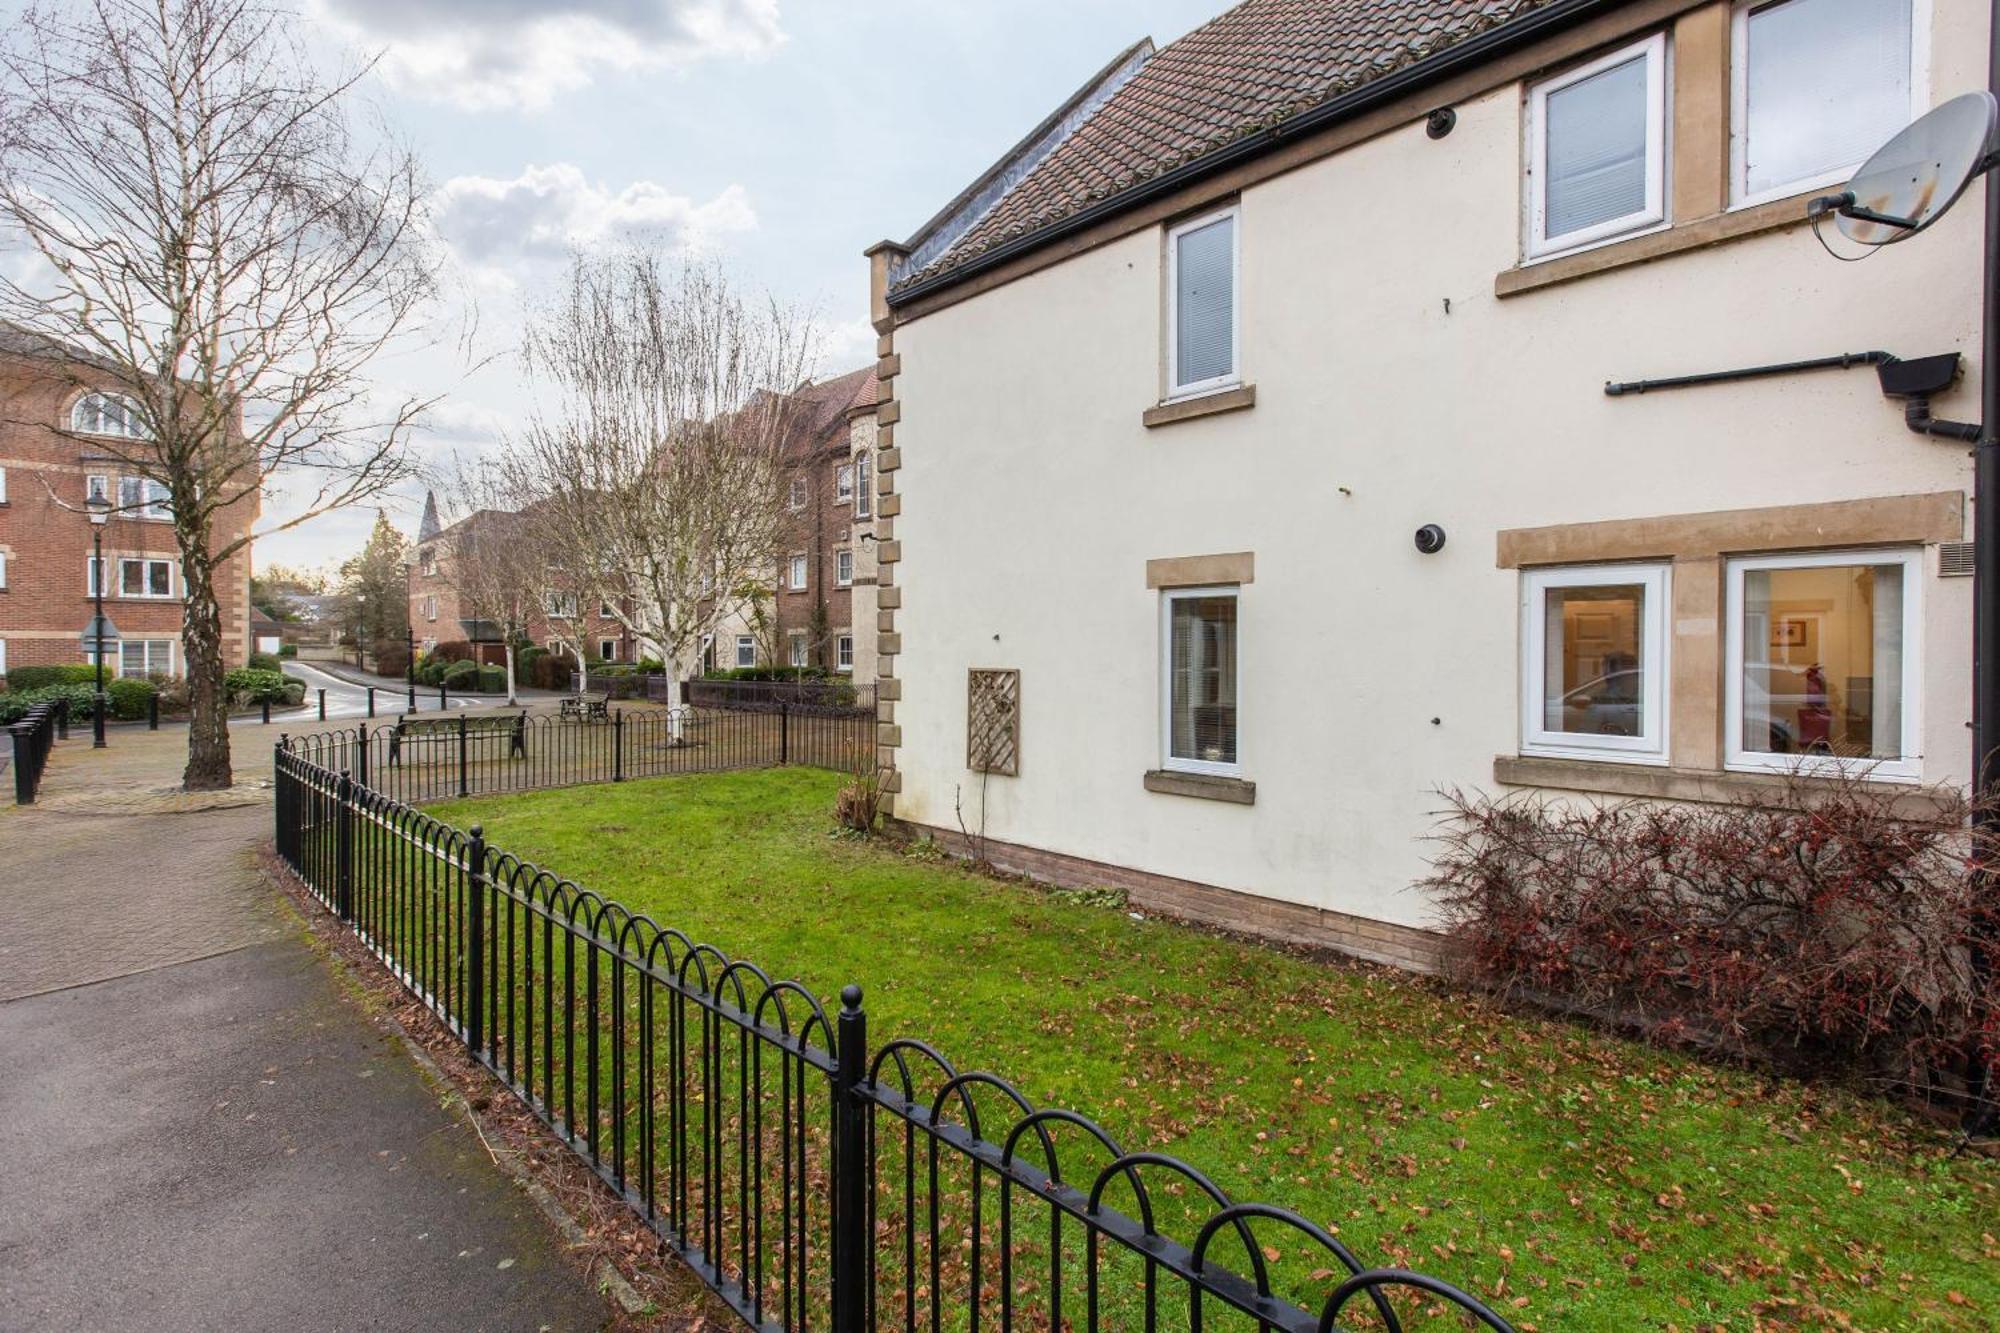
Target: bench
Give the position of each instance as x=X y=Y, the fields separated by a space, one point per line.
x=444 y=727
x=592 y=707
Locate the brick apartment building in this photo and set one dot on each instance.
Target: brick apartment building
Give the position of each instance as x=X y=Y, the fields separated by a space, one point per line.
x=50 y=468
x=442 y=611
x=825 y=597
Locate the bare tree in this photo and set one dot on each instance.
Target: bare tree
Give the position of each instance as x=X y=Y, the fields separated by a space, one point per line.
x=655 y=452
x=212 y=241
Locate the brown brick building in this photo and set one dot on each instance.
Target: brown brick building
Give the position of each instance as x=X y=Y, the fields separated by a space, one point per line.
x=824 y=600
x=443 y=611
x=49 y=469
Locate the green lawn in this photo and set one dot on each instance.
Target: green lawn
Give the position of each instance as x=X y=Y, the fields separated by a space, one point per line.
x=1611 y=1185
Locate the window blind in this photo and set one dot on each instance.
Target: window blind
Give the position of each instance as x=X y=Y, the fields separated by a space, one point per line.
x=1205 y=303
x=1595 y=154
x=1826 y=83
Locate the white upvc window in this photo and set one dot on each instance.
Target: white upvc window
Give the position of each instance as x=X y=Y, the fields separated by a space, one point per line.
x=1816 y=86
x=796 y=645
x=797 y=497
x=430 y=608
x=3 y=657
x=1594 y=662
x=142 y=497
x=3 y=485
x=110 y=414
x=843 y=568
x=864 y=486
x=560 y=606
x=1821 y=664
x=3 y=569
x=1597 y=150
x=606 y=611
x=797 y=580
x=746 y=650
x=145 y=577
x=93 y=576
x=843 y=652
x=1198 y=681
x=1202 y=319
x=428 y=561
x=97 y=489
x=843 y=482
x=145 y=657
x=607 y=650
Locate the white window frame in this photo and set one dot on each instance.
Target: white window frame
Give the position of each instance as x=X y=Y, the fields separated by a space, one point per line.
x=795 y=499
x=3 y=657
x=93 y=576
x=146 y=580
x=118 y=656
x=131 y=415
x=797 y=652
x=1908 y=767
x=155 y=502
x=5 y=556
x=843 y=653
x=864 y=485
x=1653 y=213
x=604 y=656
x=3 y=485
x=1739 y=103
x=1655 y=660
x=428 y=563
x=431 y=607
x=796 y=573
x=746 y=642
x=1234 y=376
x=605 y=611
x=1168 y=596
x=843 y=568
x=97 y=486
x=553 y=606
x=843 y=482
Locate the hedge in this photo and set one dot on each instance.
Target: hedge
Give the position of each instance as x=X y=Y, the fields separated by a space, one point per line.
x=42 y=677
x=264 y=662
x=251 y=685
x=15 y=704
x=129 y=697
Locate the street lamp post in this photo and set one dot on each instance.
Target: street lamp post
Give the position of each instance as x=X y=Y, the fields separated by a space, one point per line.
x=410 y=664
x=100 y=510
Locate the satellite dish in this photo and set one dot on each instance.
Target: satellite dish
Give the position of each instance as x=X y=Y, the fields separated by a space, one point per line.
x=1915 y=177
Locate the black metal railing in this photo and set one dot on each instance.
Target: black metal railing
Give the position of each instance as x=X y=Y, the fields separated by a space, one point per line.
x=438 y=756
x=807 y=1180
x=35 y=733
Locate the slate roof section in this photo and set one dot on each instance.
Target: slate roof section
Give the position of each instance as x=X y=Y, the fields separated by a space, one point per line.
x=1249 y=69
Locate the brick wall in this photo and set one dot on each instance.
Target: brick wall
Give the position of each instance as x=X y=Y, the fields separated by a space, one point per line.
x=45 y=535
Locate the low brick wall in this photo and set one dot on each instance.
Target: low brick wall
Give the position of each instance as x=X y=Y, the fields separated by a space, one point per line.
x=1207 y=904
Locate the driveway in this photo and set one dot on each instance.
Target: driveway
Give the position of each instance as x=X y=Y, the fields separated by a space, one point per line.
x=199 y=1128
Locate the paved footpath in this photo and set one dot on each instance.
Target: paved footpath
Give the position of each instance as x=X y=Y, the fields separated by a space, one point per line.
x=198 y=1127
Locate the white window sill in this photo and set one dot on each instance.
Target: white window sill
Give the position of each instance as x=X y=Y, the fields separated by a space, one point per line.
x=1590 y=755
x=1585 y=247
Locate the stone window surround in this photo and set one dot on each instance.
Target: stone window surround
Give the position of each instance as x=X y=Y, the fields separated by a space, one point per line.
x=1699 y=547
x=1237 y=568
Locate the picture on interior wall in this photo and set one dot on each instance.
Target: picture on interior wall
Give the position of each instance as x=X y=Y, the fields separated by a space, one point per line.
x=1788 y=634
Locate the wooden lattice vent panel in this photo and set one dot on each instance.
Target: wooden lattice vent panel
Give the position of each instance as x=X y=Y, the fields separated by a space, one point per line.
x=993 y=722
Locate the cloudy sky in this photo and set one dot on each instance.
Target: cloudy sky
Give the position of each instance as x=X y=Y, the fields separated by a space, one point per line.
x=784 y=135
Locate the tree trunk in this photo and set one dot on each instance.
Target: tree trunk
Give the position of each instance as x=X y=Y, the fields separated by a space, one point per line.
x=208 y=766
x=676 y=713
x=507 y=656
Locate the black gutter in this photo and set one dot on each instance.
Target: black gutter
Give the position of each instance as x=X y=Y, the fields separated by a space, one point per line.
x=1472 y=51
x=1618 y=389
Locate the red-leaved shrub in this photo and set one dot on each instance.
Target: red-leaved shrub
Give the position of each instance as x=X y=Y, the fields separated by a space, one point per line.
x=1818 y=931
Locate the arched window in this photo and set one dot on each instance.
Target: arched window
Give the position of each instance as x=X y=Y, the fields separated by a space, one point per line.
x=107 y=414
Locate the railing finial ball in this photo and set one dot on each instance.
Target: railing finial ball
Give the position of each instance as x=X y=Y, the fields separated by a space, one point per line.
x=478 y=830
x=850 y=997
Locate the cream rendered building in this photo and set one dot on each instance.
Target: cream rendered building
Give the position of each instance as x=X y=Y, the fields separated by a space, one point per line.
x=1169 y=393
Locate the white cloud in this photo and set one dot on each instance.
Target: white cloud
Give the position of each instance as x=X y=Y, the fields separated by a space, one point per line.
x=486 y=54
x=845 y=346
x=496 y=225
